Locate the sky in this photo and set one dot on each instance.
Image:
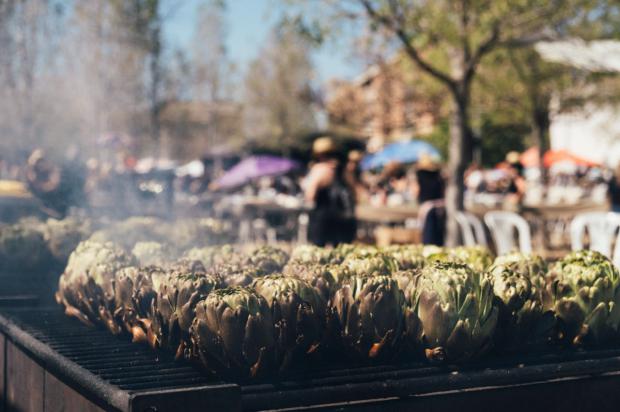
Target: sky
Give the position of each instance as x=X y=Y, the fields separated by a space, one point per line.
x=249 y=23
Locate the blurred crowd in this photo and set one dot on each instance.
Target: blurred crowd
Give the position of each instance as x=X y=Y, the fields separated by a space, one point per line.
x=329 y=186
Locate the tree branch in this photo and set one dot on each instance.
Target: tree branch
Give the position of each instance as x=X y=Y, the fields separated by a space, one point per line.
x=405 y=39
x=485 y=47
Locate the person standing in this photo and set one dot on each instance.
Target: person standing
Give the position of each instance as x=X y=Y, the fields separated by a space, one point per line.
x=332 y=219
x=429 y=190
x=614 y=191
x=429 y=182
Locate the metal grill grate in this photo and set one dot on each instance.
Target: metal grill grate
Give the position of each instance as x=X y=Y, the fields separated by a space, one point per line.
x=128 y=366
x=133 y=368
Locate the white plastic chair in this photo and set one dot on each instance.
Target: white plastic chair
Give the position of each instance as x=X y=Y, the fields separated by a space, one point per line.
x=303 y=222
x=502 y=226
x=471 y=229
x=601 y=228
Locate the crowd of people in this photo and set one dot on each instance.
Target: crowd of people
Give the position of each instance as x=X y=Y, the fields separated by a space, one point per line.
x=331 y=185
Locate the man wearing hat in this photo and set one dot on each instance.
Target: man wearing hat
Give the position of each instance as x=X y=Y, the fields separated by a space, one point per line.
x=332 y=220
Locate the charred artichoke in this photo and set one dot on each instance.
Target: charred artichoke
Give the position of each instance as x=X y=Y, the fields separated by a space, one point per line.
x=211 y=256
x=406 y=256
x=451 y=311
x=319 y=276
x=584 y=291
x=233 y=333
x=63 y=236
x=267 y=259
x=519 y=286
x=378 y=264
x=366 y=315
x=86 y=286
x=134 y=295
x=152 y=253
x=22 y=247
x=173 y=311
x=310 y=255
x=298 y=313
x=478 y=257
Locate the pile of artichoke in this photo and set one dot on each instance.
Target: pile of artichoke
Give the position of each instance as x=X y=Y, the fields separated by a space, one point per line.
x=246 y=312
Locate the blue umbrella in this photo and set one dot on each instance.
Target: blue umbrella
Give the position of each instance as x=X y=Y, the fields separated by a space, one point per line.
x=408 y=151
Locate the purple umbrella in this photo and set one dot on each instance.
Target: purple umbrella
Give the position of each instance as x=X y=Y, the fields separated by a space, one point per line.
x=254 y=167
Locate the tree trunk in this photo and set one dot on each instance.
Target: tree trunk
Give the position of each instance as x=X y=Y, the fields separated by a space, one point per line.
x=460 y=156
x=540 y=131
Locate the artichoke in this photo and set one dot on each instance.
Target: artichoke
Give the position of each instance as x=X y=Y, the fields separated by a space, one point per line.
x=131 y=231
x=451 y=311
x=134 y=295
x=407 y=257
x=366 y=315
x=86 y=286
x=233 y=333
x=584 y=290
x=211 y=256
x=519 y=287
x=298 y=312
x=478 y=257
x=22 y=247
x=310 y=255
x=63 y=236
x=187 y=233
x=405 y=277
x=267 y=259
x=378 y=264
x=236 y=274
x=172 y=313
x=152 y=253
x=318 y=276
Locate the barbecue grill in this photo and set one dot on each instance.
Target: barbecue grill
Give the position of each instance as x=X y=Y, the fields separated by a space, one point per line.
x=52 y=362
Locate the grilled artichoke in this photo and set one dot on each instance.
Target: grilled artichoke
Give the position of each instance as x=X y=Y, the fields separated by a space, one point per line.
x=319 y=276
x=405 y=277
x=128 y=232
x=173 y=311
x=478 y=257
x=186 y=233
x=406 y=256
x=86 y=286
x=63 y=236
x=310 y=255
x=211 y=256
x=134 y=295
x=233 y=333
x=267 y=259
x=22 y=247
x=519 y=286
x=584 y=291
x=451 y=312
x=298 y=313
x=366 y=315
x=378 y=264
x=152 y=253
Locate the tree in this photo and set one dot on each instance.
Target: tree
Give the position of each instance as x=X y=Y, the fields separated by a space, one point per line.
x=28 y=45
x=278 y=98
x=465 y=31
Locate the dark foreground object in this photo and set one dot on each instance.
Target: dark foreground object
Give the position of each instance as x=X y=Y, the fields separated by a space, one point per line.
x=53 y=363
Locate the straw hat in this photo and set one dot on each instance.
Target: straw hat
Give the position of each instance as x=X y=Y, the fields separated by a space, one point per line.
x=355 y=156
x=427 y=162
x=323 y=145
x=513 y=157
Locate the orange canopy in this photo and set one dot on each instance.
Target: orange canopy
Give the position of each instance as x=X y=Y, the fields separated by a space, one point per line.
x=558 y=156
x=530 y=158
